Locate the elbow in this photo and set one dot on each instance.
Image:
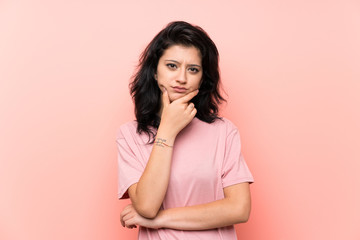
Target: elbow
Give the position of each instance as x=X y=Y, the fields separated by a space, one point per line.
x=148 y=214
x=147 y=211
x=144 y=206
x=243 y=214
x=241 y=218
x=244 y=218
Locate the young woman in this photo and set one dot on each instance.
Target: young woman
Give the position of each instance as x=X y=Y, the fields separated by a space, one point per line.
x=179 y=162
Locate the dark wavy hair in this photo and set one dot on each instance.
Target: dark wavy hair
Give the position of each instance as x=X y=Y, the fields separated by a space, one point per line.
x=144 y=88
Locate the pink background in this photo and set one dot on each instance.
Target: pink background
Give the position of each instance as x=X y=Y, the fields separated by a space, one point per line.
x=291 y=70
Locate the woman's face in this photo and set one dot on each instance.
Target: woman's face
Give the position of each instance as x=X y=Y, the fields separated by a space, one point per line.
x=179 y=71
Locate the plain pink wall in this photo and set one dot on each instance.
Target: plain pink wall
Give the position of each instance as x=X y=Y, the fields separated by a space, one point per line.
x=291 y=70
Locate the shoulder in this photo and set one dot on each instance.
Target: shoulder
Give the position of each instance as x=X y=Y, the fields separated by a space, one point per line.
x=128 y=132
x=225 y=125
x=126 y=128
x=221 y=127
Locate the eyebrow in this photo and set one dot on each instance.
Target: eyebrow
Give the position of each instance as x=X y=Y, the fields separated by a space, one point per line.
x=193 y=65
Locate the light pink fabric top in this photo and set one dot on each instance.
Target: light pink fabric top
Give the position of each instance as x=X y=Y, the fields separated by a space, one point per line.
x=206 y=159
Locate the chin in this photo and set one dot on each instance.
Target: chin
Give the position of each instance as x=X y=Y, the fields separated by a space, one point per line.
x=174 y=97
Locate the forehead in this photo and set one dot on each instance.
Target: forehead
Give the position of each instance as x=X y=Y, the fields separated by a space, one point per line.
x=182 y=53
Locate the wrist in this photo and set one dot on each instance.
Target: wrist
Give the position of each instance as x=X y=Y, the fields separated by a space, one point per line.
x=160 y=220
x=162 y=142
x=166 y=136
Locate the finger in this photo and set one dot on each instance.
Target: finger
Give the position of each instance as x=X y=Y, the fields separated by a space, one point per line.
x=188 y=96
x=123 y=219
x=124 y=215
x=126 y=208
x=165 y=97
x=127 y=217
x=190 y=107
x=124 y=212
x=193 y=113
x=130 y=223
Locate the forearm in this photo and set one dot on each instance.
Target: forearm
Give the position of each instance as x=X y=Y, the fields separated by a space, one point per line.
x=148 y=194
x=152 y=186
x=234 y=208
x=216 y=214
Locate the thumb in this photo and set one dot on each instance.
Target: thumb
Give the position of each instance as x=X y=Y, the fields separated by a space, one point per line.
x=165 y=97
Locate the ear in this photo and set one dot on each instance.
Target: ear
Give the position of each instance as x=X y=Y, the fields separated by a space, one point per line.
x=155 y=76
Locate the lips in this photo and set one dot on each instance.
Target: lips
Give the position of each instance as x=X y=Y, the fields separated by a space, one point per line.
x=179 y=89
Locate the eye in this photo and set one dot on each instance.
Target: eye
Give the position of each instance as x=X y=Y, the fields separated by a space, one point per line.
x=193 y=70
x=171 y=65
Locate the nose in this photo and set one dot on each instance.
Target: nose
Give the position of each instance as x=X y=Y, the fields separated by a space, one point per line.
x=182 y=78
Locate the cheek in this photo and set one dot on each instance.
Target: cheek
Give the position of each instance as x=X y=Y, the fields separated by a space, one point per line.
x=163 y=80
x=198 y=82
x=161 y=84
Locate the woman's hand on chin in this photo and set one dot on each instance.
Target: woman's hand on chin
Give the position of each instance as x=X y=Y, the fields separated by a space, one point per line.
x=178 y=114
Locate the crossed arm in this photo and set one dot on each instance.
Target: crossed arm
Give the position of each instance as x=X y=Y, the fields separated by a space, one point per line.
x=234 y=208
